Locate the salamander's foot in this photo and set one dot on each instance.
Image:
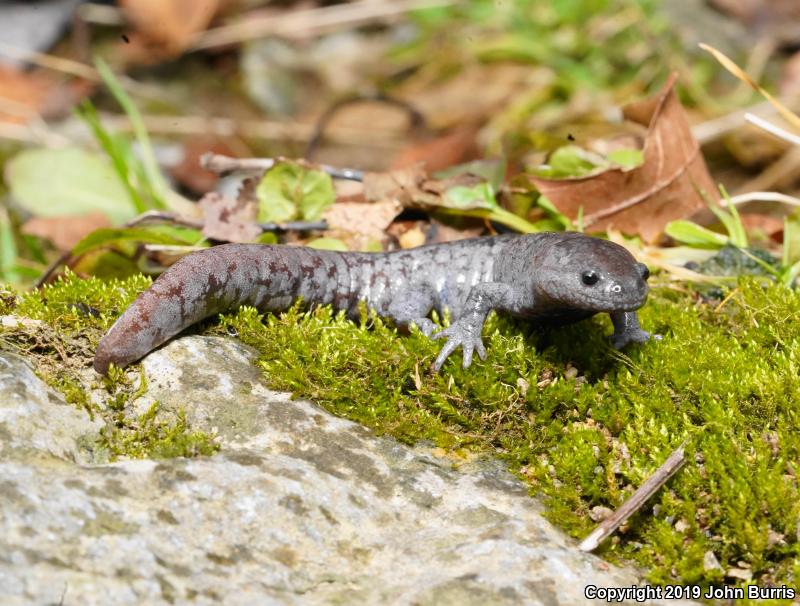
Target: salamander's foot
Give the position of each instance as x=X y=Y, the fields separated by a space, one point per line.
x=426 y=326
x=621 y=340
x=627 y=330
x=466 y=333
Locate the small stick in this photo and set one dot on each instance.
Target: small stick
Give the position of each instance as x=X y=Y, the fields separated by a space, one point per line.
x=294 y=226
x=713 y=129
x=635 y=502
x=313 y=20
x=217 y=163
x=762 y=196
x=771 y=128
x=157 y=216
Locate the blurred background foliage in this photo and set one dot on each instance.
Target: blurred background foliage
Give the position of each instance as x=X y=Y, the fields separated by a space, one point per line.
x=107 y=117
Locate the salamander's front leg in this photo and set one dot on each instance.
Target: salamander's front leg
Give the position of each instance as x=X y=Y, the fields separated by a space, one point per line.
x=466 y=330
x=627 y=330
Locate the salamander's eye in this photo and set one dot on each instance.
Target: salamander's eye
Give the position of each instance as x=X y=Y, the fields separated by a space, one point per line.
x=590 y=277
x=644 y=271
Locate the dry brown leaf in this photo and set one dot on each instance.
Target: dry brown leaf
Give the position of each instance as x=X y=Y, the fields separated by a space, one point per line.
x=760 y=223
x=26 y=95
x=189 y=172
x=368 y=220
x=790 y=81
x=776 y=19
x=403 y=185
x=21 y=94
x=412 y=238
x=667 y=186
x=472 y=94
x=230 y=220
x=65 y=232
x=456 y=147
x=442 y=232
x=166 y=27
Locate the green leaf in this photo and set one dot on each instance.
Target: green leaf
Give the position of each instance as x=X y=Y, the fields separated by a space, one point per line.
x=626 y=158
x=327 y=244
x=116 y=238
x=289 y=191
x=571 y=161
x=68 y=181
x=493 y=171
x=693 y=234
x=478 y=196
x=554 y=214
x=498 y=215
x=731 y=220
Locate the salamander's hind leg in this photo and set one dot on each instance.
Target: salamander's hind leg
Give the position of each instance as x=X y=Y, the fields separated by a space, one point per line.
x=413 y=307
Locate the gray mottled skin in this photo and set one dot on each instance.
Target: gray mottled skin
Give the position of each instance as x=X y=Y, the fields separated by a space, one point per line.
x=542 y=277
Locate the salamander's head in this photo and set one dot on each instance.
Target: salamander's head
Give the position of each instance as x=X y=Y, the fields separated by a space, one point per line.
x=581 y=272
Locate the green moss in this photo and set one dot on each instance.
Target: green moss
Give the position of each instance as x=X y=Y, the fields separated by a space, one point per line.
x=583 y=424
x=147 y=437
x=74 y=314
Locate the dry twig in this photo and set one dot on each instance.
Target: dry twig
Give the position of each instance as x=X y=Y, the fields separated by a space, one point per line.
x=217 y=163
x=635 y=502
x=315 y=20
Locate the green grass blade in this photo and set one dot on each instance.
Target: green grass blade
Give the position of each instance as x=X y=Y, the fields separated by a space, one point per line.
x=156 y=183
x=119 y=157
x=8 y=249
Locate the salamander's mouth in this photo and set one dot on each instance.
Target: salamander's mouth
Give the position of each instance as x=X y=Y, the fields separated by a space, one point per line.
x=616 y=301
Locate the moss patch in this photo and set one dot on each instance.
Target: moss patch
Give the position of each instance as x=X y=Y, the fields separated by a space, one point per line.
x=72 y=315
x=583 y=424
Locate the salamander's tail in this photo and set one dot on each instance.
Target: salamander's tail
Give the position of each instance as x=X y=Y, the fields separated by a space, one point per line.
x=194 y=288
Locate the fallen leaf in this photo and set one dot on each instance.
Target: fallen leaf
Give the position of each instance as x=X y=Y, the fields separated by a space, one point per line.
x=403 y=185
x=774 y=19
x=328 y=244
x=761 y=223
x=229 y=220
x=443 y=232
x=400 y=226
x=472 y=94
x=25 y=95
x=189 y=171
x=642 y=200
x=165 y=27
x=290 y=191
x=412 y=238
x=65 y=232
x=364 y=219
x=464 y=195
x=455 y=147
x=790 y=80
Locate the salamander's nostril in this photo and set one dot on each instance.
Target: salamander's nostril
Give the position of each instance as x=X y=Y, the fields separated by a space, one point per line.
x=644 y=271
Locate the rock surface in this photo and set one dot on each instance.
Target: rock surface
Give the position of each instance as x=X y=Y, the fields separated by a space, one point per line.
x=300 y=507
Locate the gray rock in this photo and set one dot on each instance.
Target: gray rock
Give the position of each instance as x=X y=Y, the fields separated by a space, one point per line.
x=300 y=507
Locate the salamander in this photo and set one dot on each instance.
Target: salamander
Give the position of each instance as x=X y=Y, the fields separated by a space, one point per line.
x=544 y=277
